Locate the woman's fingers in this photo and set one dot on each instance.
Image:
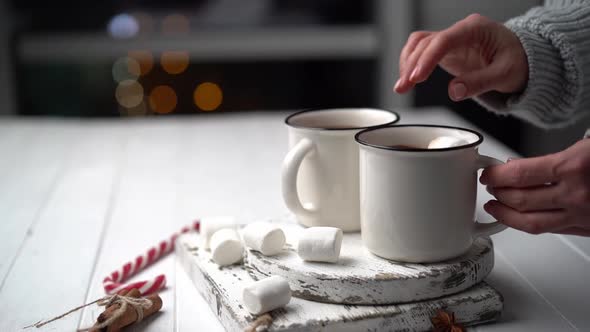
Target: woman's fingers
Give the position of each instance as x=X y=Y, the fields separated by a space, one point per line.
x=425 y=50
x=477 y=82
x=427 y=60
x=456 y=36
x=413 y=40
x=408 y=49
x=530 y=199
x=522 y=173
x=543 y=194
x=530 y=222
x=404 y=84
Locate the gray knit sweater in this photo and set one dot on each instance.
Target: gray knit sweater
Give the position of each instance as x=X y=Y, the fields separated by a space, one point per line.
x=556 y=39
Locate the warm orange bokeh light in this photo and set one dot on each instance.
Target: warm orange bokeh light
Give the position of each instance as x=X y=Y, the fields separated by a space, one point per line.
x=163 y=99
x=129 y=93
x=175 y=24
x=144 y=58
x=208 y=96
x=174 y=62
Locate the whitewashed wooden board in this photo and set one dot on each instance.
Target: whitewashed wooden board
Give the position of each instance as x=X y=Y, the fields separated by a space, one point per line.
x=222 y=287
x=383 y=281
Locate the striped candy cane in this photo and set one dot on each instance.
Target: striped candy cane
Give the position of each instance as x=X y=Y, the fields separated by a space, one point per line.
x=113 y=283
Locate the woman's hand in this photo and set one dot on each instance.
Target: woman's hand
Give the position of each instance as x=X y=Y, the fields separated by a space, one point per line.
x=543 y=194
x=483 y=55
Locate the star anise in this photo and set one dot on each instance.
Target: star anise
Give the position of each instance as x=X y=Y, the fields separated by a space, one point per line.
x=445 y=322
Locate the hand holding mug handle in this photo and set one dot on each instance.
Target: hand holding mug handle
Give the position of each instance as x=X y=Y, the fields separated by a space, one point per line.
x=487 y=229
x=291 y=165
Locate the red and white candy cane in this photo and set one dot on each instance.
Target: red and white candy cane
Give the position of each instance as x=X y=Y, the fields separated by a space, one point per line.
x=113 y=283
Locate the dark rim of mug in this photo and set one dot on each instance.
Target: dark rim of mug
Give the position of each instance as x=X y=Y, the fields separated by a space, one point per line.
x=310 y=110
x=384 y=147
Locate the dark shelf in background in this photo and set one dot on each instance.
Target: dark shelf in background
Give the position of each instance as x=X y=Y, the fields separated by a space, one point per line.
x=88 y=90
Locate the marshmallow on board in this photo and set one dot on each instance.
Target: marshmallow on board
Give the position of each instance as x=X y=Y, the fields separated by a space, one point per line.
x=226 y=247
x=443 y=142
x=266 y=294
x=210 y=225
x=264 y=237
x=320 y=244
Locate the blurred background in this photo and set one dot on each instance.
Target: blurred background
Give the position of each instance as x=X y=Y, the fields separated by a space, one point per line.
x=150 y=58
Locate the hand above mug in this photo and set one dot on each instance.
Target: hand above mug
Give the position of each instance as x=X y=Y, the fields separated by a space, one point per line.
x=482 y=54
x=543 y=194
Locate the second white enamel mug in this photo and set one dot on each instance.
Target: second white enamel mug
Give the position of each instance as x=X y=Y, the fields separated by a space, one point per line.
x=320 y=177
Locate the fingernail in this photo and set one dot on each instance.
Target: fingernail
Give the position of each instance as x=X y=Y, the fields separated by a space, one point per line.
x=399 y=80
x=483 y=179
x=414 y=74
x=489 y=206
x=458 y=91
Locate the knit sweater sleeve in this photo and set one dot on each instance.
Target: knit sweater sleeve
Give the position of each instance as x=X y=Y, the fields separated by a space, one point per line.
x=556 y=39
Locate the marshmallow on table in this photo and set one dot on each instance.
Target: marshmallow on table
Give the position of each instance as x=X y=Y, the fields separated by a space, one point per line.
x=210 y=225
x=320 y=244
x=265 y=237
x=442 y=142
x=266 y=295
x=226 y=247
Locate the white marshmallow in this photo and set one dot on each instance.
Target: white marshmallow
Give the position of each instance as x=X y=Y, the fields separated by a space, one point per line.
x=226 y=247
x=211 y=225
x=442 y=142
x=266 y=295
x=265 y=237
x=320 y=244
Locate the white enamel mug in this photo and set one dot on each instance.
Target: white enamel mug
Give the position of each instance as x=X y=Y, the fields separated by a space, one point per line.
x=418 y=205
x=320 y=176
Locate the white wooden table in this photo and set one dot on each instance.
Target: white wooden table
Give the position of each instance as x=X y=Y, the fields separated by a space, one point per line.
x=80 y=197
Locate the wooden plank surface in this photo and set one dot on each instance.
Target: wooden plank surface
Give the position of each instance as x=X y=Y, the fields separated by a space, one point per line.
x=524 y=308
x=541 y=262
x=224 y=164
x=581 y=245
x=141 y=215
x=29 y=168
x=57 y=255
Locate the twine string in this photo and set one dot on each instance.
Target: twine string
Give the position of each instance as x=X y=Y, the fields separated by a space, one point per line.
x=137 y=303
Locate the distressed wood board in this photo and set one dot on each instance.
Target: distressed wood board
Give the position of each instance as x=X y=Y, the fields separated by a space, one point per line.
x=383 y=281
x=222 y=289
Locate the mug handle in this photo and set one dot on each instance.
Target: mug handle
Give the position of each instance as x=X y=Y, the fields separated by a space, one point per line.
x=291 y=165
x=487 y=229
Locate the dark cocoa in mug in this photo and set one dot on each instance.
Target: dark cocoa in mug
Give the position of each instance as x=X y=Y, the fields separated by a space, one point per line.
x=406 y=147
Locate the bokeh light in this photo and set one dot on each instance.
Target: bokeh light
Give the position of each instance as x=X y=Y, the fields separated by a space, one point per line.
x=139 y=110
x=144 y=58
x=145 y=22
x=123 y=26
x=126 y=68
x=163 y=99
x=175 y=24
x=174 y=62
x=208 y=96
x=129 y=93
